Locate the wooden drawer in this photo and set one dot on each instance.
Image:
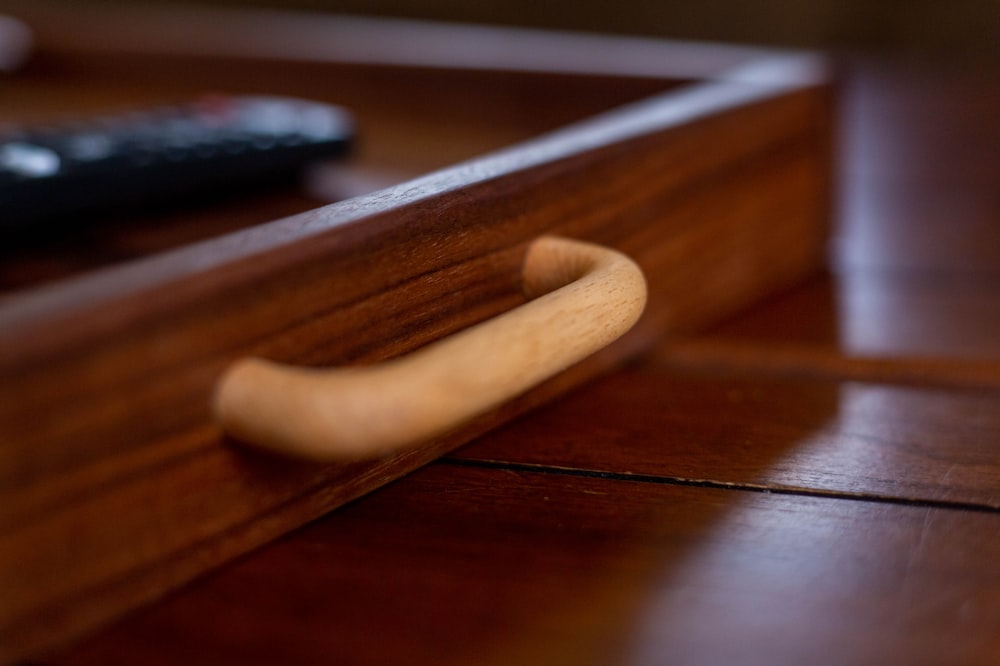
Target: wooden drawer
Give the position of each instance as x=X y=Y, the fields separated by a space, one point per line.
x=708 y=165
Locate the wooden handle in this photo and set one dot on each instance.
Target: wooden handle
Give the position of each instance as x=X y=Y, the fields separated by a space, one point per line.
x=585 y=296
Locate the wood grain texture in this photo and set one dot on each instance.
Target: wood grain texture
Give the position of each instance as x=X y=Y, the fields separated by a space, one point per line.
x=85 y=66
x=858 y=367
x=583 y=298
x=911 y=296
x=808 y=517
x=935 y=328
x=132 y=490
x=469 y=114
x=456 y=566
x=867 y=440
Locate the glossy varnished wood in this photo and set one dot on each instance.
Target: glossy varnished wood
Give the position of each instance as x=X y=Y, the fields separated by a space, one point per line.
x=920 y=193
x=879 y=378
x=846 y=438
x=107 y=60
x=457 y=565
x=805 y=496
x=877 y=313
x=471 y=113
x=115 y=482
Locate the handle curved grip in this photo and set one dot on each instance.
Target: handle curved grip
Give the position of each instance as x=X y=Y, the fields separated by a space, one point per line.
x=586 y=296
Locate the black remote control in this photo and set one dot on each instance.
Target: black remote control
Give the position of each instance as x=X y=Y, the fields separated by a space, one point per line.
x=161 y=154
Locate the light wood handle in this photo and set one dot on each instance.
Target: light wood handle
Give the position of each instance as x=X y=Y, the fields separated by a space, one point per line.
x=585 y=296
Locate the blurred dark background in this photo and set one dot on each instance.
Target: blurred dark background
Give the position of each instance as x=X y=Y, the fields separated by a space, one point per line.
x=954 y=29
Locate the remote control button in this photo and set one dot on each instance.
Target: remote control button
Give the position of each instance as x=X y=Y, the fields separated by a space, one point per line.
x=29 y=160
x=89 y=147
x=318 y=123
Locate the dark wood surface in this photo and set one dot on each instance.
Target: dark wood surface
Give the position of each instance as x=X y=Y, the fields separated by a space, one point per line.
x=780 y=489
x=491 y=566
x=117 y=484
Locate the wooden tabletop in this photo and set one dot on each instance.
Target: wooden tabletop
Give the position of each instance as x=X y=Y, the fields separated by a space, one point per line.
x=814 y=481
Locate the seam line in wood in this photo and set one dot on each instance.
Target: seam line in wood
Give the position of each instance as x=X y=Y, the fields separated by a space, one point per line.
x=532 y=468
x=819 y=363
